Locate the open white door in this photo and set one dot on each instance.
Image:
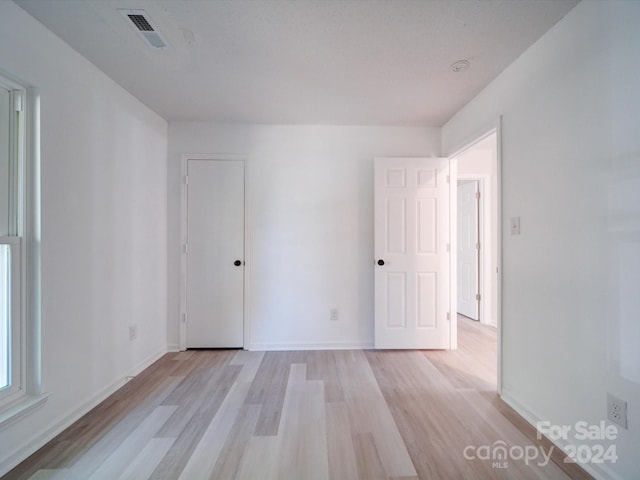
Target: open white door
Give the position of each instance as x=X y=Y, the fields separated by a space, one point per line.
x=215 y=253
x=468 y=249
x=412 y=290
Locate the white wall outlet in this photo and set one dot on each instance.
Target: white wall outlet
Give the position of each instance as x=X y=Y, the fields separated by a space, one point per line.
x=515 y=225
x=617 y=410
x=133 y=332
x=334 y=314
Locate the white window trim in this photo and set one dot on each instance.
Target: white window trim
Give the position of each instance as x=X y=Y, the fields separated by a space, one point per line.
x=29 y=395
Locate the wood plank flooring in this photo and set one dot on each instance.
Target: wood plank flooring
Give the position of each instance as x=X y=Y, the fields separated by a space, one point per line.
x=212 y=414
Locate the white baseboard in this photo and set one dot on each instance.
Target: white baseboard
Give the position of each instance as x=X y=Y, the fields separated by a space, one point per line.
x=597 y=471
x=279 y=347
x=146 y=363
x=58 y=426
x=173 y=348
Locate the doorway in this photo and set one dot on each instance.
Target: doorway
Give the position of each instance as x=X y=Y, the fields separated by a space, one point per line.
x=478 y=230
x=478 y=245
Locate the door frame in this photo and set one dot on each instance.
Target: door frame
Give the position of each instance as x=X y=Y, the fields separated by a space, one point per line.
x=183 y=242
x=480 y=134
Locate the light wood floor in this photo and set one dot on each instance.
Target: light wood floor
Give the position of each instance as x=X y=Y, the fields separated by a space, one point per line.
x=300 y=415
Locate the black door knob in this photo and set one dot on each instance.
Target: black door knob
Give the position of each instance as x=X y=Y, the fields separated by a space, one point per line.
x=237 y=263
x=380 y=262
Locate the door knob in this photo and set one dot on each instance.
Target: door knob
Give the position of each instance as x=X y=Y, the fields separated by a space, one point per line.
x=237 y=263
x=380 y=262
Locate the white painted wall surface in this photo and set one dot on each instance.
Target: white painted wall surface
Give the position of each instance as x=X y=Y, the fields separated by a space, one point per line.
x=311 y=224
x=103 y=229
x=571 y=171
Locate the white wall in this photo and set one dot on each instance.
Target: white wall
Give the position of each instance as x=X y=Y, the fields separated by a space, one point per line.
x=103 y=229
x=571 y=171
x=311 y=207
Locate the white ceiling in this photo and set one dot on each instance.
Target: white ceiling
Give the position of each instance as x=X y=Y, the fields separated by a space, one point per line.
x=362 y=62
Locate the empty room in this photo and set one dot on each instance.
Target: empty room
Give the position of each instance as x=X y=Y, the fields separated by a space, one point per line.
x=300 y=239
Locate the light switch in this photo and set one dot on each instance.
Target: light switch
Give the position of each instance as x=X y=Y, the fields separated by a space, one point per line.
x=515 y=225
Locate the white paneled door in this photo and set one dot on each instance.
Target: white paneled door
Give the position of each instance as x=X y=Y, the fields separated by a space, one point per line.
x=215 y=254
x=412 y=271
x=468 y=249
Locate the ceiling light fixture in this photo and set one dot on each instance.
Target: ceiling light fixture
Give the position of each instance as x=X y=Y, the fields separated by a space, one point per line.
x=460 y=66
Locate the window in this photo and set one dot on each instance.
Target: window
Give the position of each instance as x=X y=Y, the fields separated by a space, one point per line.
x=19 y=251
x=10 y=282
x=10 y=318
x=5 y=316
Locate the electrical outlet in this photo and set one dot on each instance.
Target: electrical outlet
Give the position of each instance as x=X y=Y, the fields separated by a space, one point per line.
x=133 y=332
x=617 y=410
x=334 y=314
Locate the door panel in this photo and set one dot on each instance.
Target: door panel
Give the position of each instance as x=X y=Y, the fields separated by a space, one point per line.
x=427 y=226
x=411 y=238
x=396 y=295
x=468 y=241
x=215 y=239
x=397 y=221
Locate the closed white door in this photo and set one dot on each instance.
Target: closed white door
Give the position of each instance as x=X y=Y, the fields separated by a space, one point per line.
x=468 y=249
x=412 y=270
x=215 y=254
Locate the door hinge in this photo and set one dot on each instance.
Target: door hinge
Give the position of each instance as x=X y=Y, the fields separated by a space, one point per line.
x=448 y=178
x=185 y=248
x=186 y=180
x=448 y=247
x=184 y=318
x=477 y=245
x=477 y=296
x=448 y=315
x=477 y=195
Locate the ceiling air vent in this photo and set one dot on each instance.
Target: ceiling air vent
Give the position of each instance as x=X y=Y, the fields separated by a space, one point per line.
x=142 y=24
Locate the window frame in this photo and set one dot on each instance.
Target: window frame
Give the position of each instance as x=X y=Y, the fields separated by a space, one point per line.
x=24 y=236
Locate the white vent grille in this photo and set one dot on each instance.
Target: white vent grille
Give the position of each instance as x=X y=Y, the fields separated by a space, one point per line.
x=142 y=24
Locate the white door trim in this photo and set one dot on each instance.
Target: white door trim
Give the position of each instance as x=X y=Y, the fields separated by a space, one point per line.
x=453 y=258
x=480 y=134
x=183 y=241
